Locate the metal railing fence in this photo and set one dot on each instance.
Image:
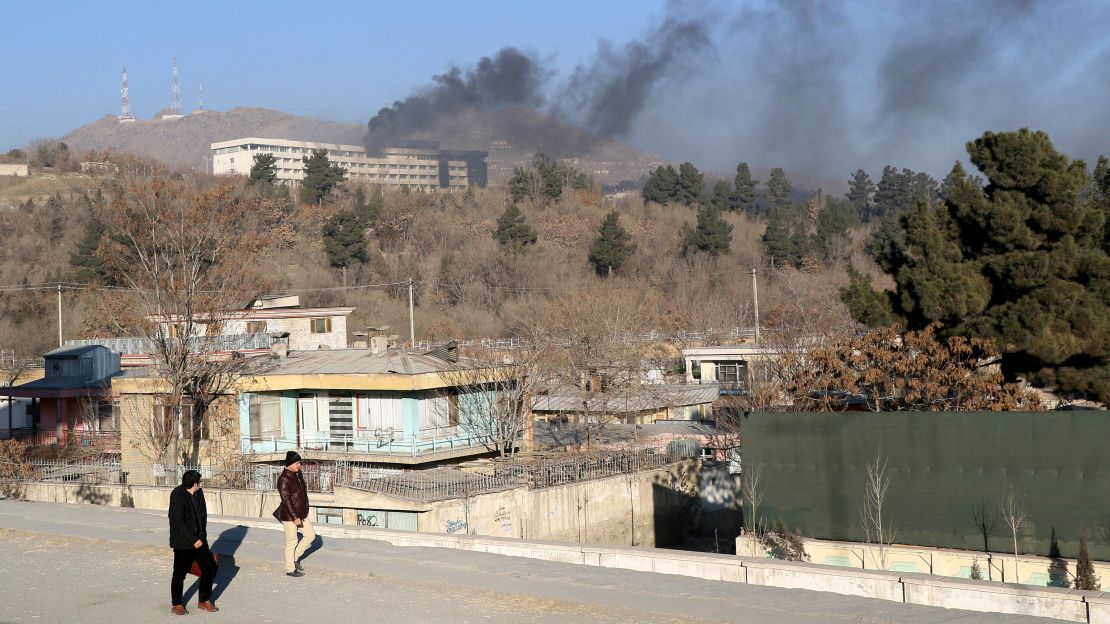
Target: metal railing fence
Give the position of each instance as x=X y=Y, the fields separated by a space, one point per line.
x=418 y=485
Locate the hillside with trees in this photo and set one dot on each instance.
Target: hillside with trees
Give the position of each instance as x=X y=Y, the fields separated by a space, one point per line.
x=1019 y=258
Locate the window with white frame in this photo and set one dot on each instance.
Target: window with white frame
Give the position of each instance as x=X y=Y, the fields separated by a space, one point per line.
x=265 y=416
x=439 y=410
x=380 y=410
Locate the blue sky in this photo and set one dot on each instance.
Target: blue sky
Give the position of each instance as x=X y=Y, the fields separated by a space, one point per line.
x=333 y=60
x=818 y=87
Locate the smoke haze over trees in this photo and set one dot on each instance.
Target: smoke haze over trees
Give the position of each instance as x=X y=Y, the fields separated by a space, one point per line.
x=821 y=89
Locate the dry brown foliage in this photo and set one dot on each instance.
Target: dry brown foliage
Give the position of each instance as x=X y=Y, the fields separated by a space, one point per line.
x=915 y=371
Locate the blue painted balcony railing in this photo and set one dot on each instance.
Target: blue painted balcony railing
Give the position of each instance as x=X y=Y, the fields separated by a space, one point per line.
x=423 y=442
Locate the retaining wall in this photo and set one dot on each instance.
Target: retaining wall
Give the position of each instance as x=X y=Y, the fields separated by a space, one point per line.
x=1051 y=602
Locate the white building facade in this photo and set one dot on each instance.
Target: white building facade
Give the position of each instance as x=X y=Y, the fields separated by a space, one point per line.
x=399 y=167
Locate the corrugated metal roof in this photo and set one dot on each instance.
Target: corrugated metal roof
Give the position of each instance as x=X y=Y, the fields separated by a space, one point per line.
x=639 y=399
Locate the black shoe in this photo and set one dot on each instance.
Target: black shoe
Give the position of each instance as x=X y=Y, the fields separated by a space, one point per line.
x=299 y=567
x=295 y=574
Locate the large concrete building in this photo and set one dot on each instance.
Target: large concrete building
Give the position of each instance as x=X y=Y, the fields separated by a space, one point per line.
x=422 y=168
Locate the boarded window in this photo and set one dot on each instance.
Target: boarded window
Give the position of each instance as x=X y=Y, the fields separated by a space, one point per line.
x=256 y=327
x=265 y=416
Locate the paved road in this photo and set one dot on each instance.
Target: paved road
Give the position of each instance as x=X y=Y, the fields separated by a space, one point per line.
x=74 y=563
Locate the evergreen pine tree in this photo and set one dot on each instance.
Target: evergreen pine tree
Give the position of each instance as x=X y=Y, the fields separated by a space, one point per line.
x=779 y=192
x=712 y=235
x=867 y=306
x=1084 y=569
x=976 y=571
x=661 y=185
x=1020 y=259
x=743 y=194
x=321 y=177
x=860 y=190
x=369 y=209
x=834 y=229
x=690 y=186
x=345 y=239
x=264 y=170
x=612 y=247
x=721 y=199
x=513 y=232
x=778 y=240
x=90 y=267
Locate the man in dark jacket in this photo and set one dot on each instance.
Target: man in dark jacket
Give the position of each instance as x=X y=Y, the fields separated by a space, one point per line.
x=189 y=541
x=293 y=514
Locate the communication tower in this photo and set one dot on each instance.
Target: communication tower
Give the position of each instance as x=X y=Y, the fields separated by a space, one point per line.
x=125 y=112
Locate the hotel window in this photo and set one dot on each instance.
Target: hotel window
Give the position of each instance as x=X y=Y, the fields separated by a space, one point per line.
x=320 y=325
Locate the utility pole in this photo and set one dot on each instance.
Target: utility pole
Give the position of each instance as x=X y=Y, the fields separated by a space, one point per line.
x=59 y=315
x=755 y=304
x=412 y=324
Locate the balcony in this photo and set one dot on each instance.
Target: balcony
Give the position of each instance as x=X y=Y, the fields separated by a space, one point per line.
x=424 y=445
x=199 y=344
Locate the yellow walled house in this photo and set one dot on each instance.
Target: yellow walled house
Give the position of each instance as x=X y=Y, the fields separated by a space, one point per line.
x=385 y=407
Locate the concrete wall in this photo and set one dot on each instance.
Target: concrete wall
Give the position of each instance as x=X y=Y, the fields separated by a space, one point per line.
x=651 y=508
x=1030 y=570
x=986 y=596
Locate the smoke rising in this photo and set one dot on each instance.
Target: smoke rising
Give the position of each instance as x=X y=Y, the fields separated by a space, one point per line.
x=819 y=88
x=509 y=77
x=608 y=93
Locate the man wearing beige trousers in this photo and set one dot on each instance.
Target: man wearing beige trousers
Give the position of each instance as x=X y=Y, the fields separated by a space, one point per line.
x=293 y=514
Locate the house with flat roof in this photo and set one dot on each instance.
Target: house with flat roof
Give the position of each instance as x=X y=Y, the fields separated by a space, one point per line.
x=250 y=331
x=732 y=368
x=381 y=407
x=637 y=404
x=73 y=401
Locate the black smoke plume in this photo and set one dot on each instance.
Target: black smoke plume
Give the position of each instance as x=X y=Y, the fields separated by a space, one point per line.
x=510 y=77
x=609 y=93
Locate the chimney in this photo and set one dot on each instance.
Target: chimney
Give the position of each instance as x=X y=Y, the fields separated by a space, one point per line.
x=378 y=344
x=279 y=350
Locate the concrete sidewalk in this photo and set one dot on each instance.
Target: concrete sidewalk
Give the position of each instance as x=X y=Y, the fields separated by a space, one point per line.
x=81 y=563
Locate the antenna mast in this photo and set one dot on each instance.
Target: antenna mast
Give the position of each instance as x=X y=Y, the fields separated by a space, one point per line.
x=125 y=110
x=176 y=103
x=200 y=96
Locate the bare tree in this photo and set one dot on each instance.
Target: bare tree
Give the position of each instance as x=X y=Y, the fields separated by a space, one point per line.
x=490 y=400
x=752 y=488
x=1012 y=511
x=187 y=258
x=878 y=529
x=595 y=355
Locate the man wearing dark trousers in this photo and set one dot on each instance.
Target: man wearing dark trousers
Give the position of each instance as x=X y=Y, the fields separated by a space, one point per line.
x=189 y=541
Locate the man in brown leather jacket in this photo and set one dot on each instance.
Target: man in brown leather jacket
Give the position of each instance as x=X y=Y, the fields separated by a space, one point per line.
x=293 y=514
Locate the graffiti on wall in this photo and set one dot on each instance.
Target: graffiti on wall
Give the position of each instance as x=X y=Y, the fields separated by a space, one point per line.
x=456 y=526
x=503 y=518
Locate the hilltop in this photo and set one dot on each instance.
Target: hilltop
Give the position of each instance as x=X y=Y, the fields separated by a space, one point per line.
x=185 y=142
x=511 y=135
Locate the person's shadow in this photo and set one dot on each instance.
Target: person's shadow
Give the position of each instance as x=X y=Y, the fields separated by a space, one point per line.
x=225 y=546
x=316 y=544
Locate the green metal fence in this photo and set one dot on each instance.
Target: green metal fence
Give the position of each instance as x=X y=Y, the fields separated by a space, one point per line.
x=948 y=471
